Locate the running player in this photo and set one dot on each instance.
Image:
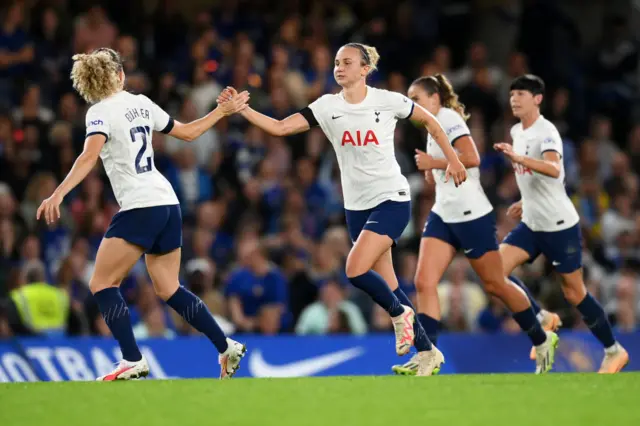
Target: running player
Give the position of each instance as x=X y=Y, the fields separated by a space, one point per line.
x=119 y=130
x=463 y=219
x=550 y=223
x=360 y=123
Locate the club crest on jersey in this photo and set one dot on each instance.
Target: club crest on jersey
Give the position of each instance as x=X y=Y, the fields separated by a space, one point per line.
x=369 y=137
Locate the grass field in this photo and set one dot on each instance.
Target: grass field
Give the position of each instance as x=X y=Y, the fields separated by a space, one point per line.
x=456 y=400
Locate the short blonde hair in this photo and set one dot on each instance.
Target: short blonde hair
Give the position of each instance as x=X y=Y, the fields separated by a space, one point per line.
x=96 y=75
x=370 y=55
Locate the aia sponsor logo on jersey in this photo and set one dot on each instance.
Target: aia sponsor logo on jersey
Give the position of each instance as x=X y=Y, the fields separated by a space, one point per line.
x=522 y=170
x=359 y=138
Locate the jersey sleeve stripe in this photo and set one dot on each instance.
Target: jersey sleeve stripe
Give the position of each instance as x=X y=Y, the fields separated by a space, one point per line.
x=413 y=105
x=458 y=137
x=551 y=150
x=307 y=113
x=169 y=126
x=98 y=133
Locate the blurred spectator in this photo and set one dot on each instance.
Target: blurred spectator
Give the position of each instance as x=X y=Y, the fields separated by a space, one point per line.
x=461 y=300
x=16 y=49
x=325 y=315
x=257 y=292
x=93 y=30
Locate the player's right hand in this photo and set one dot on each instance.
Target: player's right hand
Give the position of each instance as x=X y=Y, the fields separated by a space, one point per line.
x=50 y=209
x=231 y=102
x=457 y=171
x=515 y=210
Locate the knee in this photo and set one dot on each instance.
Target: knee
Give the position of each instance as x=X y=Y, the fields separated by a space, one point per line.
x=165 y=290
x=96 y=284
x=495 y=287
x=425 y=285
x=574 y=293
x=355 y=267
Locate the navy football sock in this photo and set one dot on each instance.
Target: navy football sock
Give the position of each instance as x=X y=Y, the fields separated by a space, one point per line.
x=116 y=314
x=596 y=320
x=372 y=283
x=196 y=313
x=421 y=341
x=529 y=324
x=431 y=327
x=534 y=305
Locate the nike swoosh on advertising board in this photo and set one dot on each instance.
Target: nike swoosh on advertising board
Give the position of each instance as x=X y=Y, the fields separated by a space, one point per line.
x=258 y=367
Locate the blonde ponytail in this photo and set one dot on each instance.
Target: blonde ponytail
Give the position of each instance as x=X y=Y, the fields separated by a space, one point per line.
x=441 y=85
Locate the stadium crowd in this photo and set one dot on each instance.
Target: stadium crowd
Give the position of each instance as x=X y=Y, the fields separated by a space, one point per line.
x=264 y=236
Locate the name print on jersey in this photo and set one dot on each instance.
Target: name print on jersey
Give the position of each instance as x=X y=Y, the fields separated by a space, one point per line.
x=132 y=114
x=369 y=137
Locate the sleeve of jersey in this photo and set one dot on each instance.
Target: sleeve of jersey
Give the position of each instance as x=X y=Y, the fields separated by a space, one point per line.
x=97 y=123
x=551 y=143
x=402 y=106
x=162 y=122
x=312 y=112
x=455 y=127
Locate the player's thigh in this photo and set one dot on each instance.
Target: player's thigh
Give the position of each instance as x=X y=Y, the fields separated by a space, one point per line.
x=490 y=271
x=438 y=247
x=381 y=228
x=433 y=260
x=114 y=260
x=384 y=267
x=366 y=252
x=164 y=270
x=519 y=246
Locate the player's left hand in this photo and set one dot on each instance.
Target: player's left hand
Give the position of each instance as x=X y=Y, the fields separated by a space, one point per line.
x=507 y=149
x=423 y=160
x=457 y=171
x=231 y=102
x=50 y=209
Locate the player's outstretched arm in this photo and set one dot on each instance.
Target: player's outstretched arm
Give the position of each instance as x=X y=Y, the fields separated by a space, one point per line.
x=193 y=130
x=467 y=152
x=50 y=208
x=455 y=168
x=548 y=166
x=291 y=125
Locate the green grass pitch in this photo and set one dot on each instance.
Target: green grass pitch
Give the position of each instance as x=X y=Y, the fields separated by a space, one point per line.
x=448 y=400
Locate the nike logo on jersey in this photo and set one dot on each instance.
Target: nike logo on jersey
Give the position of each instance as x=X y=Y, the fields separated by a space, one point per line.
x=554 y=263
x=333 y=117
x=258 y=367
x=468 y=251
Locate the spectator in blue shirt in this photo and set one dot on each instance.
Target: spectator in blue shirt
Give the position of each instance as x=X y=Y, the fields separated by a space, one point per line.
x=257 y=292
x=16 y=51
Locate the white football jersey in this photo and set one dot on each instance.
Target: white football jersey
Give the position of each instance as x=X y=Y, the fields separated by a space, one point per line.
x=546 y=206
x=128 y=122
x=468 y=201
x=363 y=138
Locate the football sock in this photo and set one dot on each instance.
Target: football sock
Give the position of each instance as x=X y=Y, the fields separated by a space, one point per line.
x=372 y=283
x=431 y=327
x=595 y=318
x=116 y=314
x=421 y=340
x=529 y=324
x=196 y=313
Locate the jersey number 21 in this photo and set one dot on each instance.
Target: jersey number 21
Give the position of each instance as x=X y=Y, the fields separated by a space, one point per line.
x=142 y=132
